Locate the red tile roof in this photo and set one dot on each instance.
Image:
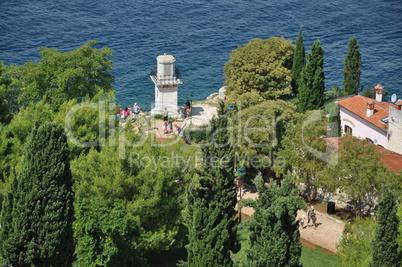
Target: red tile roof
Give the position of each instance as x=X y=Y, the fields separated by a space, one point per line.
x=358 y=106
x=391 y=160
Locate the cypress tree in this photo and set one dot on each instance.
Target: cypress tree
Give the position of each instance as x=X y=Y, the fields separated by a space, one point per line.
x=274 y=235
x=37 y=212
x=352 y=68
x=312 y=80
x=385 y=244
x=211 y=216
x=299 y=61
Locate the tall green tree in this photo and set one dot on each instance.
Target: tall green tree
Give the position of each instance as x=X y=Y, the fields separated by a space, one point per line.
x=59 y=77
x=399 y=237
x=299 y=61
x=358 y=175
x=261 y=65
x=144 y=189
x=210 y=216
x=211 y=222
x=8 y=94
x=37 y=213
x=274 y=235
x=352 y=68
x=355 y=247
x=259 y=130
x=312 y=80
x=105 y=235
x=385 y=245
x=305 y=150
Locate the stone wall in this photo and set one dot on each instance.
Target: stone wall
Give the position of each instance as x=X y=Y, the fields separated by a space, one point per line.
x=369 y=202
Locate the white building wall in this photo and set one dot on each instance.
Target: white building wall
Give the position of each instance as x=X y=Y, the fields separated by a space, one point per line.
x=362 y=129
x=166 y=97
x=395 y=130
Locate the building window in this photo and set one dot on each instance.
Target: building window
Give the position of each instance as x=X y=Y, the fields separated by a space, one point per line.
x=348 y=130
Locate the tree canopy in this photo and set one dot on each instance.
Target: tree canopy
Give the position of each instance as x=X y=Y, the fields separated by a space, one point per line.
x=261 y=65
x=37 y=213
x=312 y=80
x=359 y=173
x=356 y=247
x=385 y=245
x=59 y=77
x=274 y=234
x=299 y=61
x=8 y=94
x=352 y=68
x=305 y=150
x=259 y=130
x=210 y=215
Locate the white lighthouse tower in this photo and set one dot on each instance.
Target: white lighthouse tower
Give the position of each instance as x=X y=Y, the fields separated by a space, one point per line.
x=166 y=79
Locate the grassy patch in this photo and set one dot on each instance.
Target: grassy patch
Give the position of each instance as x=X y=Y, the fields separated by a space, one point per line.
x=314 y=257
x=309 y=258
x=168 y=258
x=240 y=256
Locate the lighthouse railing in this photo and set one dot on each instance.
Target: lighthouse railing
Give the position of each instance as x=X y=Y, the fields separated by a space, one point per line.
x=166 y=79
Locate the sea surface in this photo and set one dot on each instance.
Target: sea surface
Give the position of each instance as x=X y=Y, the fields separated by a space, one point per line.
x=201 y=36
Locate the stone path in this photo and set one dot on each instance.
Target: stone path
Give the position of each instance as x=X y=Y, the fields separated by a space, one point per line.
x=201 y=114
x=326 y=235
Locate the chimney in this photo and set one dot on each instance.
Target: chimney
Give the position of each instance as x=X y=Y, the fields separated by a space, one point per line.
x=378 y=92
x=370 y=109
x=398 y=105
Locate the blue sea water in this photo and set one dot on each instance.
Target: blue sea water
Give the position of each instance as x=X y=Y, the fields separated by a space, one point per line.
x=201 y=34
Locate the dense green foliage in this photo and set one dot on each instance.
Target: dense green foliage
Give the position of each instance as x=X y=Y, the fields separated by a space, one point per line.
x=359 y=173
x=399 y=236
x=59 y=77
x=8 y=95
x=355 y=247
x=106 y=236
x=309 y=257
x=130 y=190
x=299 y=61
x=312 y=80
x=143 y=187
x=211 y=221
x=258 y=132
x=352 y=68
x=37 y=213
x=274 y=234
x=305 y=151
x=385 y=245
x=211 y=199
x=261 y=65
x=370 y=92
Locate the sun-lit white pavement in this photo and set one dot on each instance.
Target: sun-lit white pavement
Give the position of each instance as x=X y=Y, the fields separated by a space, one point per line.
x=327 y=234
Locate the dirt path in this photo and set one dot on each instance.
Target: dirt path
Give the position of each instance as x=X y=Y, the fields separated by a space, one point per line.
x=326 y=235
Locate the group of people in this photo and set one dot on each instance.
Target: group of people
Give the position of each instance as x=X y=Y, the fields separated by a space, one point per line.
x=311 y=217
x=167 y=125
x=185 y=111
x=122 y=114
